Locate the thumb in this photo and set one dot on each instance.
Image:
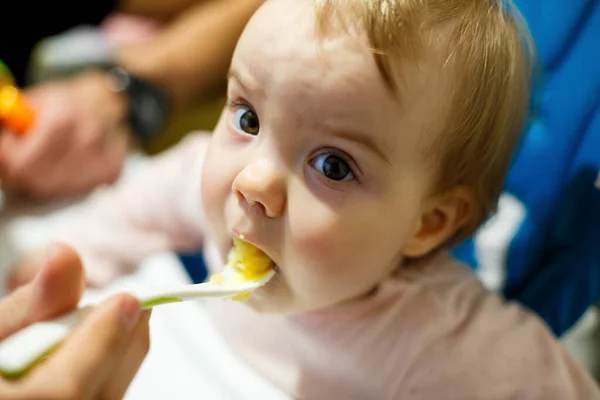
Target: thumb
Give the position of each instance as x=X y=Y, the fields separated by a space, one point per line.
x=7 y=145
x=59 y=284
x=26 y=270
x=56 y=289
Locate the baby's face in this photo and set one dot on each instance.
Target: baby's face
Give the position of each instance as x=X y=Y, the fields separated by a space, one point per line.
x=316 y=161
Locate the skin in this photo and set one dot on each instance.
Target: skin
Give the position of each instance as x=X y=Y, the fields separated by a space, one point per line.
x=319 y=164
x=100 y=357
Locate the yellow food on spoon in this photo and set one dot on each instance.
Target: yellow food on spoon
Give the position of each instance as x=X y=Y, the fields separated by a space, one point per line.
x=250 y=262
x=245 y=263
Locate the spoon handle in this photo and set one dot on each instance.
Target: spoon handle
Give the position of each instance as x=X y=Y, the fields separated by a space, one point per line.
x=20 y=352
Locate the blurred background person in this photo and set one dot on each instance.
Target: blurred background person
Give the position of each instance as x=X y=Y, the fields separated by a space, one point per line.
x=138 y=70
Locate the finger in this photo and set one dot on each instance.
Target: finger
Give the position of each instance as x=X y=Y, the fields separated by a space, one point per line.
x=134 y=356
x=115 y=148
x=60 y=283
x=56 y=289
x=27 y=161
x=83 y=162
x=91 y=353
x=17 y=150
x=8 y=146
x=26 y=270
x=103 y=164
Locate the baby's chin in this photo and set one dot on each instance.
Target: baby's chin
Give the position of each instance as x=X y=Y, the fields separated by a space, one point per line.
x=272 y=298
x=271 y=301
x=273 y=306
x=276 y=298
x=264 y=306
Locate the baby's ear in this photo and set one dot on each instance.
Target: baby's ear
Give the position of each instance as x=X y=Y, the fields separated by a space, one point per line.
x=444 y=214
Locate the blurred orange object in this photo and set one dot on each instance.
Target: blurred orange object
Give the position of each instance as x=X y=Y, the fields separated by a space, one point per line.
x=15 y=111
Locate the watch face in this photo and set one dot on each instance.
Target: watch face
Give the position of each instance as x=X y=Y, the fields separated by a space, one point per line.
x=149 y=112
x=149 y=105
x=149 y=109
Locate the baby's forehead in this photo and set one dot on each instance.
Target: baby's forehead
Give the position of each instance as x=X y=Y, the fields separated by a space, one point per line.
x=282 y=45
x=332 y=74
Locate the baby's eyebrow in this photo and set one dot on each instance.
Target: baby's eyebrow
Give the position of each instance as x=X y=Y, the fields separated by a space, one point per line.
x=233 y=74
x=364 y=140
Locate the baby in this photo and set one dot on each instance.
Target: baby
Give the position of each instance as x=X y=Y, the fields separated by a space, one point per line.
x=360 y=140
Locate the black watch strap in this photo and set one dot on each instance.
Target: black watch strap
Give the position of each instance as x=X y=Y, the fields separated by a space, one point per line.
x=149 y=106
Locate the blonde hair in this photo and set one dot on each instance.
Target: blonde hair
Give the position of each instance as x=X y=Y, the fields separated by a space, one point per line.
x=488 y=53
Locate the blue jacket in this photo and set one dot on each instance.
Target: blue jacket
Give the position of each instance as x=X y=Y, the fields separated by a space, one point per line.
x=543 y=247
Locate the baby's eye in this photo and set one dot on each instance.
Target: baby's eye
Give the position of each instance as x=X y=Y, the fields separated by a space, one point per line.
x=333 y=167
x=246 y=120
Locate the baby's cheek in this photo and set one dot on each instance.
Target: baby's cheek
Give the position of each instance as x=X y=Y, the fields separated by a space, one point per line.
x=214 y=192
x=210 y=191
x=331 y=255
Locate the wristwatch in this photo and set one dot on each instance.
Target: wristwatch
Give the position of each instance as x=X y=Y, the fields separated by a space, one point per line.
x=149 y=105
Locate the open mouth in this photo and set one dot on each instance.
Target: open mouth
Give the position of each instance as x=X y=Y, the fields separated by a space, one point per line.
x=248 y=260
x=246 y=263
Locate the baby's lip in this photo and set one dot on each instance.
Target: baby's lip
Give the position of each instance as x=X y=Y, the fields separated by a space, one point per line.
x=249 y=238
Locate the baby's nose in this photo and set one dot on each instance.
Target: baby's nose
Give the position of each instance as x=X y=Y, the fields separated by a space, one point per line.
x=260 y=184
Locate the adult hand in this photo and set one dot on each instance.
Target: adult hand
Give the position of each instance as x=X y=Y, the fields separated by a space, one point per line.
x=79 y=141
x=102 y=354
x=26 y=269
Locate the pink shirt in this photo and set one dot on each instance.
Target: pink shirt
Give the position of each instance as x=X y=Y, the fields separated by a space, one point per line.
x=432 y=331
